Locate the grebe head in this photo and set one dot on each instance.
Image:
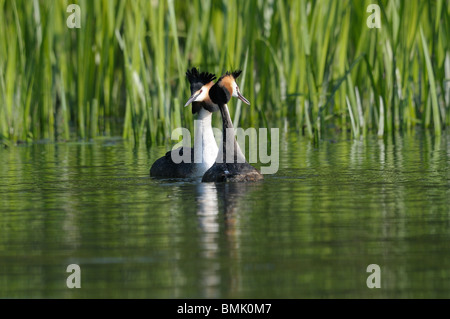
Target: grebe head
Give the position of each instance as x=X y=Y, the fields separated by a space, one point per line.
x=200 y=85
x=226 y=87
x=201 y=95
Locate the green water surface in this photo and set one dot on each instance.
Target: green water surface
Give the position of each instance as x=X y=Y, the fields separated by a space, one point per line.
x=308 y=231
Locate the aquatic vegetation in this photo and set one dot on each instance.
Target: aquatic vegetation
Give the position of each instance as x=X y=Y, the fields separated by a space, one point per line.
x=310 y=65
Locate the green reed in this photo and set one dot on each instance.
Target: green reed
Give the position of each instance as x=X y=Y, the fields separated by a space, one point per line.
x=313 y=64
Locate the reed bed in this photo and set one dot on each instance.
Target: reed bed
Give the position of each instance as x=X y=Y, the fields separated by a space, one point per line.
x=313 y=66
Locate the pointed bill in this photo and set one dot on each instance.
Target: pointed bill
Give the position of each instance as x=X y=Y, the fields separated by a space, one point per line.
x=242 y=98
x=192 y=98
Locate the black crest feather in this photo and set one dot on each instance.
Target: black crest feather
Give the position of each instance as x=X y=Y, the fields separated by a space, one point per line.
x=194 y=76
x=235 y=74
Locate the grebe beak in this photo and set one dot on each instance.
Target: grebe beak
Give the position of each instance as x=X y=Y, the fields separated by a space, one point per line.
x=242 y=98
x=193 y=97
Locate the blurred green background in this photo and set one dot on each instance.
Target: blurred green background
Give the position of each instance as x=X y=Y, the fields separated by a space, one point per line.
x=312 y=66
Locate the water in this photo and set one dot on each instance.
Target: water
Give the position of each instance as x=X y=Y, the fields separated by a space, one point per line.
x=309 y=231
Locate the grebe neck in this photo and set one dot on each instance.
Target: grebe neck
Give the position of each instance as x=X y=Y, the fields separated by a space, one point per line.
x=229 y=144
x=205 y=147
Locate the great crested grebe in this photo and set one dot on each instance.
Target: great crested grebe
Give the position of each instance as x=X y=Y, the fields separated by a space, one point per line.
x=205 y=147
x=236 y=169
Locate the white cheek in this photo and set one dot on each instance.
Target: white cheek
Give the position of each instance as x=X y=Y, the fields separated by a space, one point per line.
x=235 y=91
x=202 y=96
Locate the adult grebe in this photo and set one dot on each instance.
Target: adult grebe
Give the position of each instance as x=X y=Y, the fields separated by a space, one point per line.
x=236 y=169
x=205 y=149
